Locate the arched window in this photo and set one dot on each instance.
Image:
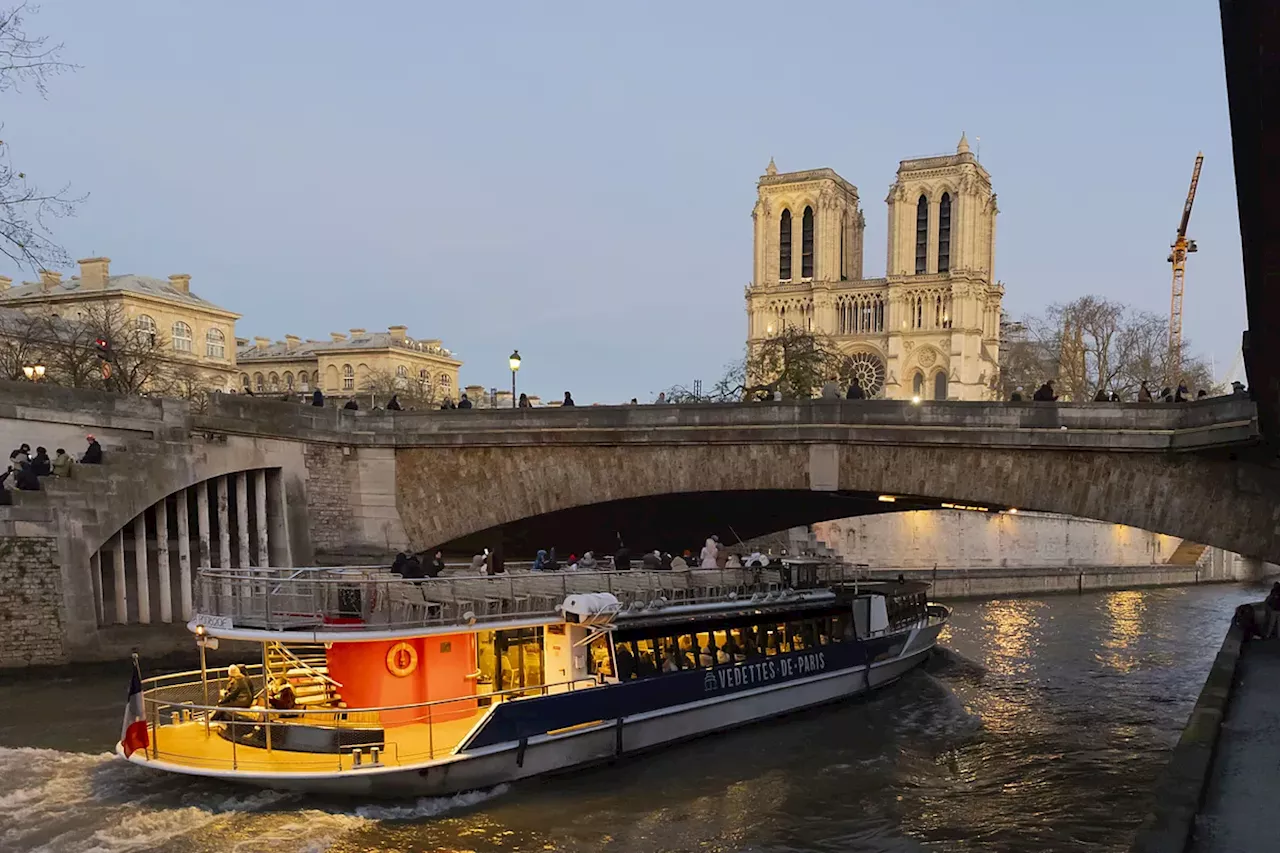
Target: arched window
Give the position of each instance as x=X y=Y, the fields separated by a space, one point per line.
x=784 y=247
x=259 y=383
x=181 y=337
x=940 y=386
x=288 y=381
x=147 y=328
x=922 y=234
x=304 y=381
x=215 y=344
x=806 y=244
x=348 y=378
x=917 y=385
x=944 y=233
x=843 y=239
x=445 y=384
x=244 y=381
x=402 y=372
x=273 y=382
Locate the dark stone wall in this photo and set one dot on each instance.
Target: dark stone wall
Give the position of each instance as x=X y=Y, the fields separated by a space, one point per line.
x=31 y=617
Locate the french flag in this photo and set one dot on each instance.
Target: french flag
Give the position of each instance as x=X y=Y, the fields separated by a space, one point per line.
x=133 y=734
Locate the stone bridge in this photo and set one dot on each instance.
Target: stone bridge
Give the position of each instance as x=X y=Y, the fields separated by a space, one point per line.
x=251 y=481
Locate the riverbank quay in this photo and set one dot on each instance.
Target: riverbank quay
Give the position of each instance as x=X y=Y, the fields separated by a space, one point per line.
x=958 y=584
x=1218 y=793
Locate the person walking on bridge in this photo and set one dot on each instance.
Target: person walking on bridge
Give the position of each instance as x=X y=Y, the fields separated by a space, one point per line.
x=317 y=399
x=1045 y=394
x=1144 y=393
x=568 y=400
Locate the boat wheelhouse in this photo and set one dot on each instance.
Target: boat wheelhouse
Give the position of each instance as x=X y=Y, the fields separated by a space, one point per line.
x=368 y=684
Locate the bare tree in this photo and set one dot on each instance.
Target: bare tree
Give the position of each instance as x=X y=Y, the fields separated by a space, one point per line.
x=25 y=209
x=411 y=392
x=22 y=343
x=1090 y=346
x=795 y=363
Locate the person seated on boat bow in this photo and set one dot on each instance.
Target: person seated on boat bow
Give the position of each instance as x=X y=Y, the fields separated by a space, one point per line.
x=237 y=694
x=412 y=569
x=436 y=566
x=651 y=561
x=679 y=564
x=397 y=565
x=588 y=562
x=282 y=697
x=733 y=562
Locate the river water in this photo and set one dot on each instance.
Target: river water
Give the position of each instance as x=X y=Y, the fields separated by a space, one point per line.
x=1041 y=726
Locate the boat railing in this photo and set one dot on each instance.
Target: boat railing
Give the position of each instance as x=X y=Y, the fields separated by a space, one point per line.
x=187 y=728
x=344 y=599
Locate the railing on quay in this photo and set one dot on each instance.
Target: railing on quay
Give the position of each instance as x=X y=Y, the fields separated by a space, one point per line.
x=189 y=701
x=345 y=599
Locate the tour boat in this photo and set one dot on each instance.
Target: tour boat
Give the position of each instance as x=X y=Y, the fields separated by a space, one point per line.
x=374 y=685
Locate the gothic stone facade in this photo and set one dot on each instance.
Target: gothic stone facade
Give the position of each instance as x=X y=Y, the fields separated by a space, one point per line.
x=930 y=327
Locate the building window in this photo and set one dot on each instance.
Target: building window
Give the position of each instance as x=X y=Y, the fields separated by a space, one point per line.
x=273 y=382
x=922 y=234
x=244 y=381
x=806 y=244
x=181 y=337
x=259 y=383
x=944 y=233
x=348 y=378
x=917 y=385
x=940 y=386
x=304 y=381
x=215 y=344
x=147 y=328
x=444 y=384
x=844 y=238
x=784 y=247
x=288 y=381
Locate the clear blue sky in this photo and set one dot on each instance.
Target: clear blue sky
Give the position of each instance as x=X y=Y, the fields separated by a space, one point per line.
x=576 y=179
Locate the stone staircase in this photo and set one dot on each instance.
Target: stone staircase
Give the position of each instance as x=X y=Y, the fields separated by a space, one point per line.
x=1187 y=553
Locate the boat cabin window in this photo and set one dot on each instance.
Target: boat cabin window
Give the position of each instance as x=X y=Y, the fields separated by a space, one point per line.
x=599 y=661
x=645 y=652
x=510 y=660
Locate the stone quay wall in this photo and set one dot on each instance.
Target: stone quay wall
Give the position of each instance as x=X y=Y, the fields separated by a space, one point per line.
x=31 y=606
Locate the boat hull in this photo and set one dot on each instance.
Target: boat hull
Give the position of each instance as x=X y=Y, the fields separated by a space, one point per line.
x=604 y=741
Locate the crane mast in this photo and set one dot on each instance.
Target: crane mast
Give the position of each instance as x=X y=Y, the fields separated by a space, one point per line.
x=1178 y=257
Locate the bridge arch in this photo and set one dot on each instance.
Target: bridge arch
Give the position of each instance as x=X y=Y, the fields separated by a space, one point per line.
x=444 y=494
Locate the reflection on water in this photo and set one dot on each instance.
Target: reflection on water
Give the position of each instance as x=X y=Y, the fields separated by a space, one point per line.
x=1041 y=727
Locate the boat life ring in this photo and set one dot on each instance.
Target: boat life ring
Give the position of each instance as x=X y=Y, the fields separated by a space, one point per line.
x=402 y=659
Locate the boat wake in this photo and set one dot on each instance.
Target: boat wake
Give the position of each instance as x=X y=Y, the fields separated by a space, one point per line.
x=67 y=802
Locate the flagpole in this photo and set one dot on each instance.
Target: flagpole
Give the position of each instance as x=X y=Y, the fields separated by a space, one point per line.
x=137 y=668
x=204 y=675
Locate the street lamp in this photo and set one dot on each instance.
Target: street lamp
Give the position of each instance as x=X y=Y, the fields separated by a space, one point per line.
x=34 y=372
x=514 y=361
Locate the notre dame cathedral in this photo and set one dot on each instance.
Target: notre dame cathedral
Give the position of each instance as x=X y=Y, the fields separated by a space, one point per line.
x=931 y=327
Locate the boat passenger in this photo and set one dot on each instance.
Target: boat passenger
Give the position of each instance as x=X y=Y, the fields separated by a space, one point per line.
x=708 y=556
x=436 y=566
x=237 y=694
x=651 y=561
x=626 y=664
x=588 y=562
x=679 y=564
x=622 y=559
x=412 y=569
x=479 y=564
x=732 y=562
x=282 y=697
x=553 y=565
x=646 y=666
x=397 y=565
x=705 y=657
x=670 y=662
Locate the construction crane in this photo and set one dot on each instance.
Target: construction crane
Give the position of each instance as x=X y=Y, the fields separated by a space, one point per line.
x=1178 y=257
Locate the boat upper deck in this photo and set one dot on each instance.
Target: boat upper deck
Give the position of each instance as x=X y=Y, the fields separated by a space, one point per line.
x=335 y=601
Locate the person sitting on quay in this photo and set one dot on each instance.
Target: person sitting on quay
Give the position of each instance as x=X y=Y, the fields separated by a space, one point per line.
x=41 y=464
x=393 y=405
x=1102 y=396
x=351 y=405
x=24 y=477
x=855 y=391
x=92 y=453
x=1016 y=396
x=22 y=454
x=61 y=465
x=1045 y=394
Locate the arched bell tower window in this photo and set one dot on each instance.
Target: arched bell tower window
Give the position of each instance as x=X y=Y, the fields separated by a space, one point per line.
x=922 y=234
x=917 y=385
x=940 y=386
x=806 y=244
x=784 y=247
x=944 y=233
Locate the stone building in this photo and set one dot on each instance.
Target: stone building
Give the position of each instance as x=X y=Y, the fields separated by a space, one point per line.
x=365 y=364
x=195 y=336
x=931 y=327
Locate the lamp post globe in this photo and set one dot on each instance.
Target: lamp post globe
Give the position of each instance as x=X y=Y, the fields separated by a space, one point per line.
x=514 y=361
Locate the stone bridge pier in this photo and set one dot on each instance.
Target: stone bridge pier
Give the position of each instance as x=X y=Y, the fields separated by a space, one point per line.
x=105 y=561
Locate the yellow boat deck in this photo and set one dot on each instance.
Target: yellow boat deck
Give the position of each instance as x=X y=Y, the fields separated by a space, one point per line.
x=188 y=744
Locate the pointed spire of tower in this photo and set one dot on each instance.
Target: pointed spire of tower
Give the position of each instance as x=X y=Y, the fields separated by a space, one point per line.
x=963 y=147
x=771 y=169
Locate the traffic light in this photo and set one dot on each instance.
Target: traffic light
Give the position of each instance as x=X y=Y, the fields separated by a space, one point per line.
x=104 y=348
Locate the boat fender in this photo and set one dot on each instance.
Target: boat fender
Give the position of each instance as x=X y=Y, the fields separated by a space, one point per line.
x=524 y=743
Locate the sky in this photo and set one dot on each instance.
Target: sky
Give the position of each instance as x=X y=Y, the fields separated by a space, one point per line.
x=576 y=180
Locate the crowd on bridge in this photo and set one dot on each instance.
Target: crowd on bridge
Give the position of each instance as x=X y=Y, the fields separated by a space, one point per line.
x=26 y=469
x=1047 y=394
